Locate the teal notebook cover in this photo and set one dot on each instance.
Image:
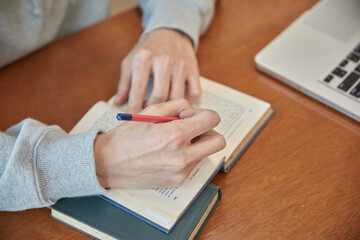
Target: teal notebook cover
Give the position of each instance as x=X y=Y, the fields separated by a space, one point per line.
x=109 y=220
x=147 y=220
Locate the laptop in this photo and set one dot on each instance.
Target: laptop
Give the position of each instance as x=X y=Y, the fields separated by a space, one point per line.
x=319 y=54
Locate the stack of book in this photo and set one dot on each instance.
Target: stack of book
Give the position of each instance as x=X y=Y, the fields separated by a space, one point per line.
x=166 y=213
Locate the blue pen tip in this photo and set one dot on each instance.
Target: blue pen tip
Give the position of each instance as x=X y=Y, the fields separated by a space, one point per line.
x=124 y=117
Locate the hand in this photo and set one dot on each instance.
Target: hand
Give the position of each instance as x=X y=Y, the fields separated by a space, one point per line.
x=146 y=155
x=169 y=56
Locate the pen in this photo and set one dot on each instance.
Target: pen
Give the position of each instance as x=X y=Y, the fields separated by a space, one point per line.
x=144 y=118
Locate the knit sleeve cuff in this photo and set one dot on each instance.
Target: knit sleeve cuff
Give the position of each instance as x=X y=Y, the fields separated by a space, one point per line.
x=65 y=165
x=178 y=16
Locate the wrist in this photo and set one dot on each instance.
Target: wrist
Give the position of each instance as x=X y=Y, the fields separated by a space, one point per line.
x=100 y=160
x=169 y=33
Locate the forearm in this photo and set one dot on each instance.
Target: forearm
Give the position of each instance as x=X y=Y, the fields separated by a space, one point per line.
x=191 y=17
x=41 y=164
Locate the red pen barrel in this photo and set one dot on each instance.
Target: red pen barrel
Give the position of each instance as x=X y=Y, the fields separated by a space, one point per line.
x=154 y=119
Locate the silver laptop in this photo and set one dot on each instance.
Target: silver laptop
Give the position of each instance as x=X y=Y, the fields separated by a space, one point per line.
x=319 y=54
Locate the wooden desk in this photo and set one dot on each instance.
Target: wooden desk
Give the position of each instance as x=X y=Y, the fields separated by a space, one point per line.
x=299 y=179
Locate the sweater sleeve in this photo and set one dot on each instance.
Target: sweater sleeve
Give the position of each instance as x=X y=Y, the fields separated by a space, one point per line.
x=40 y=164
x=191 y=17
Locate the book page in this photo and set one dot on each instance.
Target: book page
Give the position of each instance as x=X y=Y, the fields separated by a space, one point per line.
x=101 y=116
x=238 y=111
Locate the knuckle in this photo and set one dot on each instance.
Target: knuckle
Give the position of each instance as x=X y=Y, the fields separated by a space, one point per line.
x=195 y=93
x=195 y=71
x=143 y=55
x=183 y=102
x=221 y=141
x=152 y=108
x=217 y=118
x=181 y=65
x=165 y=57
x=175 y=136
x=213 y=116
x=180 y=164
x=171 y=137
x=164 y=60
x=125 y=63
x=159 y=97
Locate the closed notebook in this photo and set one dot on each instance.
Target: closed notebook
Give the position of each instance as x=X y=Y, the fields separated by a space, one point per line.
x=102 y=220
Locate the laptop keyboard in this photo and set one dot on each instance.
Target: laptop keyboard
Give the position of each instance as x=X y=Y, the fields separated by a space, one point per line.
x=346 y=76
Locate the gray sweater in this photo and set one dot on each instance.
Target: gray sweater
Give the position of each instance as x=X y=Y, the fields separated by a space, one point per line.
x=40 y=164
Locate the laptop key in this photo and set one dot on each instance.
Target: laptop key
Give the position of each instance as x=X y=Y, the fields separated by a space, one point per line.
x=357 y=69
x=349 y=81
x=344 y=63
x=328 y=78
x=353 y=57
x=357 y=49
x=339 y=72
x=356 y=91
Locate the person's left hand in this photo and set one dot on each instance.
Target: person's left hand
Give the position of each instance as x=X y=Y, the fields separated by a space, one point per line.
x=169 y=57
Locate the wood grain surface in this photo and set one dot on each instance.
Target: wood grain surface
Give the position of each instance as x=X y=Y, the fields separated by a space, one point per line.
x=299 y=179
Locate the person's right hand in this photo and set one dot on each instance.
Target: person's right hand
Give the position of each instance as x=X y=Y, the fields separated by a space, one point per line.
x=146 y=155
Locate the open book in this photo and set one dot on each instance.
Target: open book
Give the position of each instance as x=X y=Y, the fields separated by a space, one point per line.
x=242 y=116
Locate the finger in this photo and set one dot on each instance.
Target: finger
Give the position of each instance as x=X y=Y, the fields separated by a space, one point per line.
x=177 y=88
x=193 y=90
x=195 y=122
x=208 y=143
x=161 y=68
x=171 y=108
x=124 y=83
x=141 y=68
